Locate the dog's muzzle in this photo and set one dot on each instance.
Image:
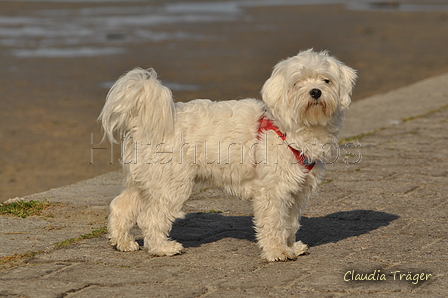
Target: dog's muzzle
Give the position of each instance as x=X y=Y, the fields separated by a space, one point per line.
x=315 y=93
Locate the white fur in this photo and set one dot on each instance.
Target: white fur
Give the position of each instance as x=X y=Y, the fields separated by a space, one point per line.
x=167 y=146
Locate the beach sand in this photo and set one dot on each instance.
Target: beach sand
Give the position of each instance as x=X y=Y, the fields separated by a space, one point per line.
x=59 y=59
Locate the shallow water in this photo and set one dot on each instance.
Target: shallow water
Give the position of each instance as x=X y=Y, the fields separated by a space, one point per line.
x=97 y=31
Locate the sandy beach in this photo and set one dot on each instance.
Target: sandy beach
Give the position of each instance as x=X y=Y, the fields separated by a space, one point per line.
x=59 y=58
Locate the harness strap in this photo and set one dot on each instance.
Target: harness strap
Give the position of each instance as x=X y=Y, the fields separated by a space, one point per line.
x=266 y=124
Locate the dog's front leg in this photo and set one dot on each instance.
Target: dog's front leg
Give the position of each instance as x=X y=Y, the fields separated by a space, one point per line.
x=294 y=215
x=272 y=219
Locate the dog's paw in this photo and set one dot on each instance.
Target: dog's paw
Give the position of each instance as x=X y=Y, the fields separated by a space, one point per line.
x=299 y=248
x=283 y=253
x=128 y=245
x=169 y=248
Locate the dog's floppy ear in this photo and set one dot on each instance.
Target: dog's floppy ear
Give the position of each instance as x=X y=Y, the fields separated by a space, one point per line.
x=347 y=77
x=274 y=89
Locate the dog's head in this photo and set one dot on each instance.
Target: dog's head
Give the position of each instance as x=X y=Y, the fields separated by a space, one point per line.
x=309 y=89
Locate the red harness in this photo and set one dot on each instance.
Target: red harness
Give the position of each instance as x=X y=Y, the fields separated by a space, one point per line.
x=266 y=124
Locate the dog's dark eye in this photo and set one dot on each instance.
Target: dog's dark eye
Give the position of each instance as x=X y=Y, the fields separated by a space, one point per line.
x=327 y=81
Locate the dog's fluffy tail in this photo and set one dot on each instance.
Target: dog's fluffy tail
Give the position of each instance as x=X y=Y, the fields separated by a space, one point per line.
x=138 y=106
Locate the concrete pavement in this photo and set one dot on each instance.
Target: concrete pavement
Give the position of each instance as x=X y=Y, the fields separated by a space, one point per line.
x=381 y=215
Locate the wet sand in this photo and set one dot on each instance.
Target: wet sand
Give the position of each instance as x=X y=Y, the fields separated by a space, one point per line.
x=49 y=105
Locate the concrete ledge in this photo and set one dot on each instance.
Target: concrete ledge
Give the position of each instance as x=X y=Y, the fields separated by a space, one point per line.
x=388 y=109
x=382 y=217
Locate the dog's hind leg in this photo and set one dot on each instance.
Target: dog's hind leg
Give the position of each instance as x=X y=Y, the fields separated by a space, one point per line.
x=161 y=209
x=123 y=216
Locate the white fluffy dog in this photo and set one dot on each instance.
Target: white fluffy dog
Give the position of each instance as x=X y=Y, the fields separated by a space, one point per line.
x=271 y=152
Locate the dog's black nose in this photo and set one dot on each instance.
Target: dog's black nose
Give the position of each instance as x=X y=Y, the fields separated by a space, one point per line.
x=315 y=93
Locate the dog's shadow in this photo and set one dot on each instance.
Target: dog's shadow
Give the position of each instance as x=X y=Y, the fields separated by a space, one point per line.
x=199 y=228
